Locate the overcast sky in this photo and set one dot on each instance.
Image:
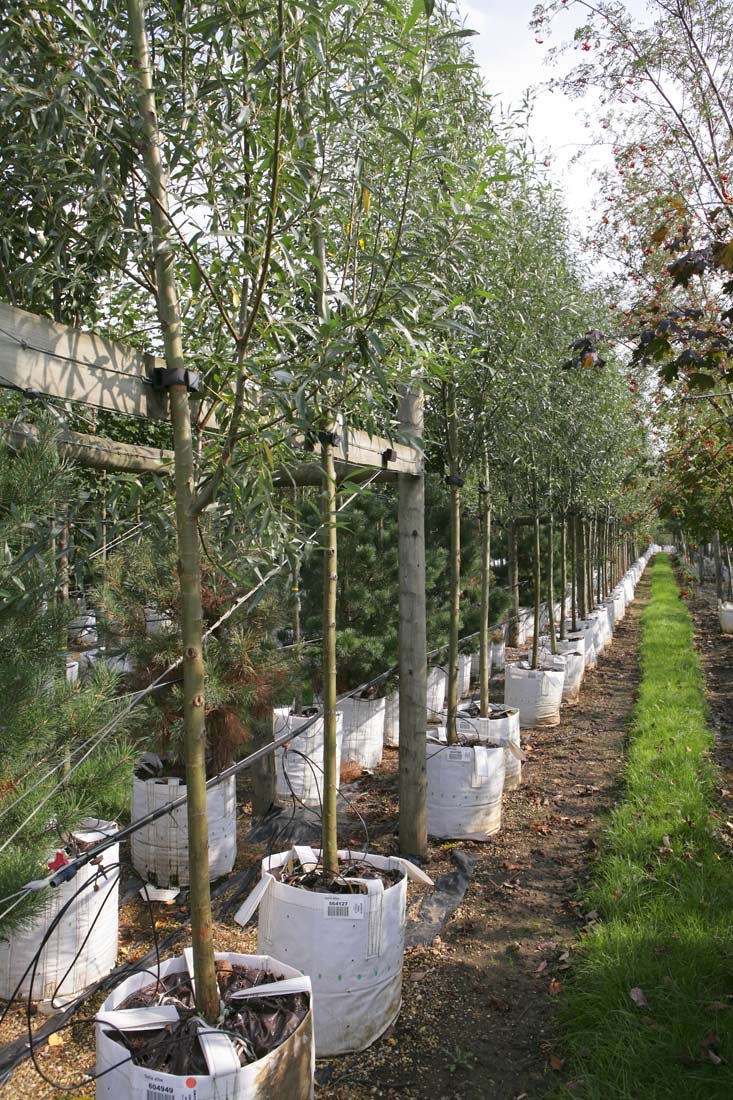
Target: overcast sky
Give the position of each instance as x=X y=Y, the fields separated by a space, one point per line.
x=512 y=60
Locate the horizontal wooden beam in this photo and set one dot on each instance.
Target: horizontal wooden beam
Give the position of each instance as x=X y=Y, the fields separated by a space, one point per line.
x=356 y=449
x=41 y=357
x=93 y=451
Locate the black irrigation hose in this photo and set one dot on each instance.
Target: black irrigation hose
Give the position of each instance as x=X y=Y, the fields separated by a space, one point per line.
x=16 y=1052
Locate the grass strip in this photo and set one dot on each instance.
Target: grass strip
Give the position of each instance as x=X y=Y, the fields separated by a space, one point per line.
x=648 y=1012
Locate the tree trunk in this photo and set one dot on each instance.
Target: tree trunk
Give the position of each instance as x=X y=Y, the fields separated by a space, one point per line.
x=295 y=587
x=207 y=992
x=455 y=568
x=537 y=571
x=573 y=571
x=551 y=585
x=564 y=576
x=484 y=637
x=413 y=644
x=718 y=565
x=64 y=569
x=591 y=550
x=330 y=583
x=513 y=583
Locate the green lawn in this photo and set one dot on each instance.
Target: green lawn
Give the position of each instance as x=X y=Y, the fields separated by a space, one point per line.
x=648 y=1012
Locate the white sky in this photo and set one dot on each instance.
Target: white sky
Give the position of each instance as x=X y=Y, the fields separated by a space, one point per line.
x=512 y=60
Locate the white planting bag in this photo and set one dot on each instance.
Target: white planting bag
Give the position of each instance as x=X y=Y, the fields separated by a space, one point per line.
x=287 y=1071
x=536 y=693
x=574 y=669
x=391 y=732
x=436 y=688
x=94 y=914
x=159 y=850
x=465 y=785
x=725 y=615
x=502 y=731
x=363 y=731
x=299 y=764
x=351 y=945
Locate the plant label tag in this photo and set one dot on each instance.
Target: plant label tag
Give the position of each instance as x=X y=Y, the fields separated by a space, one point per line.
x=460 y=756
x=352 y=908
x=166 y=1087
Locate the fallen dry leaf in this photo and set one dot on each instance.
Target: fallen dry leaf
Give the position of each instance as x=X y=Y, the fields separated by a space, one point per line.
x=556 y=1062
x=541 y=827
x=637 y=996
x=418 y=975
x=541 y=967
x=555 y=986
x=56 y=1039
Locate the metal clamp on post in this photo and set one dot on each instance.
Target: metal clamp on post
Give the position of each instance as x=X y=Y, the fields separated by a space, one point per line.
x=163 y=377
x=454 y=479
x=388 y=456
x=332 y=438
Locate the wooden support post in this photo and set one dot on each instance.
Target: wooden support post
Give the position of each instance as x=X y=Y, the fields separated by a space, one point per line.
x=718 y=565
x=413 y=644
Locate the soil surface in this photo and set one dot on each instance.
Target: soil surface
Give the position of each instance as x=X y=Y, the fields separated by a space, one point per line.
x=716 y=656
x=478 y=1015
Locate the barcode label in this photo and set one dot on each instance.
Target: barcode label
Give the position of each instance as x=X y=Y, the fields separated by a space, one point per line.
x=460 y=756
x=186 y=1090
x=351 y=908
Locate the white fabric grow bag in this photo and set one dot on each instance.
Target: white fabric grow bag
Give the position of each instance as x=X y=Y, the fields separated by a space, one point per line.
x=476 y=665
x=586 y=631
x=628 y=587
x=350 y=945
x=725 y=615
x=286 y=1073
x=464 y=675
x=537 y=694
x=158 y=622
x=465 y=785
x=391 y=732
x=574 y=669
x=93 y=914
x=83 y=629
x=546 y=659
x=437 y=683
x=295 y=776
x=363 y=731
x=498 y=655
x=502 y=731
x=159 y=850
x=570 y=661
x=619 y=604
x=574 y=643
x=525 y=626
